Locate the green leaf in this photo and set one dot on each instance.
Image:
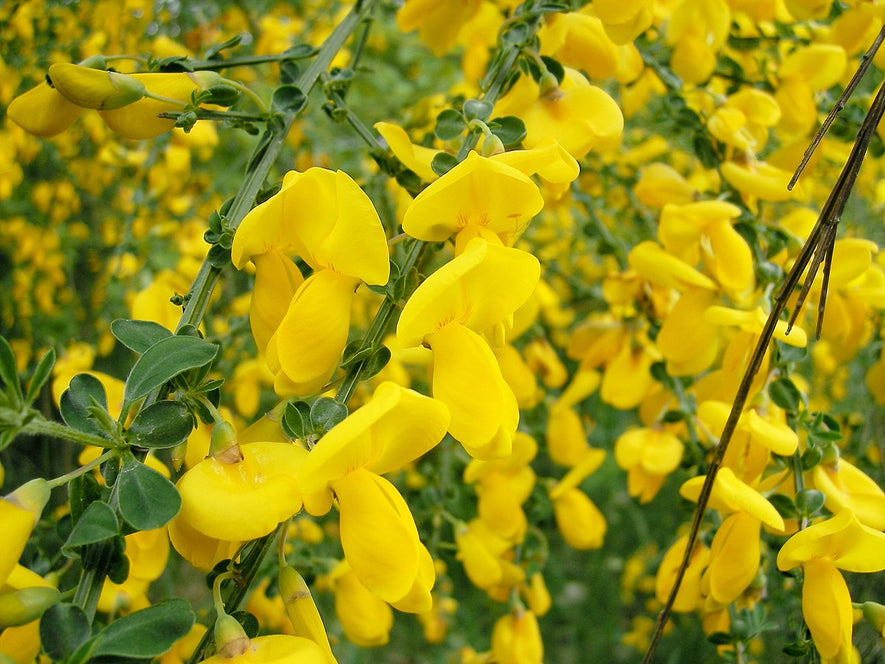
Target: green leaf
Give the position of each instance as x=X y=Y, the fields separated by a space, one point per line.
x=449 y=125
x=147 y=499
x=785 y=394
x=162 y=424
x=84 y=393
x=213 y=52
x=9 y=372
x=296 y=419
x=63 y=629
x=475 y=109
x=83 y=490
x=354 y=352
x=288 y=99
x=378 y=360
x=784 y=505
x=41 y=375
x=146 y=633
x=443 y=162
x=508 y=128
x=222 y=95
x=809 y=502
x=325 y=413
x=164 y=360
x=98 y=523
x=218 y=256
x=138 y=335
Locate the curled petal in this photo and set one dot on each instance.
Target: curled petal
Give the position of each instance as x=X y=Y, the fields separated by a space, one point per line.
x=416 y=158
x=200 y=550
x=366 y=618
x=466 y=378
x=731 y=494
x=548 y=159
x=277 y=279
x=841 y=539
x=479 y=191
x=378 y=534
x=394 y=427
x=847 y=487
x=659 y=267
x=478 y=288
x=243 y=500
x=312 y=335
x=826 y=607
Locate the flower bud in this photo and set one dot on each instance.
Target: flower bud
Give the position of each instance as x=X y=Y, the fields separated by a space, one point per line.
x=302 y=610
x=23 y=606
x=230 y=637
x=92 y=88
x=31 y=496
x=223 y=443
x=492 y=145
x=549 y=87
x=875 y=615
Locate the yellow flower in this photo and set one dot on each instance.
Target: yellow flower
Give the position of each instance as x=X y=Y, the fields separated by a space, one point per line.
x=326 y=219
x=578 y=115
x=366 y=618
x=378 y=533
x=624 y=21
x=697 y=29
x=648 y=456
x=302 y=610
x=481 y=196
x=43 y=111
x=687 y=340
x=840 y=542
x=21 y=642
x=95 y=88
x=579 y=521
x=19 y=512
x=803 y=72
x=730 y=494
x=734 y=559
x=438 y=23
x=476 y=291
x=516 y=639
x=275 y=649
x=482 y=553
x=689 y=596
x=416 y=158
x=242 y=500
x=846 y=487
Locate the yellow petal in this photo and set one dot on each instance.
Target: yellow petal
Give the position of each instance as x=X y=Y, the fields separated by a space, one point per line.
x=17 y=524
x=311 y=337
x=95 y=88
x=43 y=111
x=516 y=639
x=734 y=557
x=275 y=649
x=277 y=279
x=394 y=427
x=419 y=599
x=826 y=607
x=847 y=487
x=779 y=438
x=819 y=65
x=548 y=159
x=687 y=340
x=479 y=191
x=565 y=436
x=579 y=521
x=244 y=500
x=689 y=595
x=478 y=288
x=267 y=226
x=416 y=158
x=378 y=534
x=731 y=259
x=466 y=378
x=664 y=269
x=366 y=618
x=842 y=540
x=201 y=551
x=730 y=493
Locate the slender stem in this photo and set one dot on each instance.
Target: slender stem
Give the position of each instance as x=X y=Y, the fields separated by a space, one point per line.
x=85 y=468
x=40 y=427
x=249 y=92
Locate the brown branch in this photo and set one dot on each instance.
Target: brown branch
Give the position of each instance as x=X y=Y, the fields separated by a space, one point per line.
x=817 y=251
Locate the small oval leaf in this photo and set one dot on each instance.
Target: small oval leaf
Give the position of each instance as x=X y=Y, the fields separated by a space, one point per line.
x=97 y=524
x=147 y=499
x=85 y=392
x=325 y=413
x=146 y=633
x=164 y=360
x=138 y=335
x=63 y=629
x=162 y=424
x=41 y=375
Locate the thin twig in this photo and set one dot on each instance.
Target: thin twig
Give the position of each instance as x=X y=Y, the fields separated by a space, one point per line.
x=817 y=250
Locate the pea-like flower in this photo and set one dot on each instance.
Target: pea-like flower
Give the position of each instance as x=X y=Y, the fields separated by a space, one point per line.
x=476 y=291
x=302 y=324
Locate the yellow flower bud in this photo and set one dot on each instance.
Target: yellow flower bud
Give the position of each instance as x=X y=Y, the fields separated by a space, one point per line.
x=23 y=606
x=302 y=610
x=92 y=88
x=516 y=639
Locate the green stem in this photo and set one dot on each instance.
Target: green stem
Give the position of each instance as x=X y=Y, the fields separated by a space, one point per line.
x=207 y=114
x=249 y=92
x=85 y=468
x=41 y=427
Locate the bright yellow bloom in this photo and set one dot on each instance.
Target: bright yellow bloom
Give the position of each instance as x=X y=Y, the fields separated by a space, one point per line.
x=416 y=158
x=302 y=610
x=846 y=487
x=840 y=542
x=246 y=499
x=476 y=291
x=95 y=88
x=648 y=456
x=578 y=115
x=697 y=29
x=689 y=596
x=578 y=520
x=482 y=553
x=661 y=268
x=687 y=340
x=730 y=494
x=479 y=196
x=378 y=533
x=19 y=512
x=326 y=219
x=438 y=23
x=734 y=559
x=624 y=21
x=516 y=639
x=366 y=618
x=43 y=111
